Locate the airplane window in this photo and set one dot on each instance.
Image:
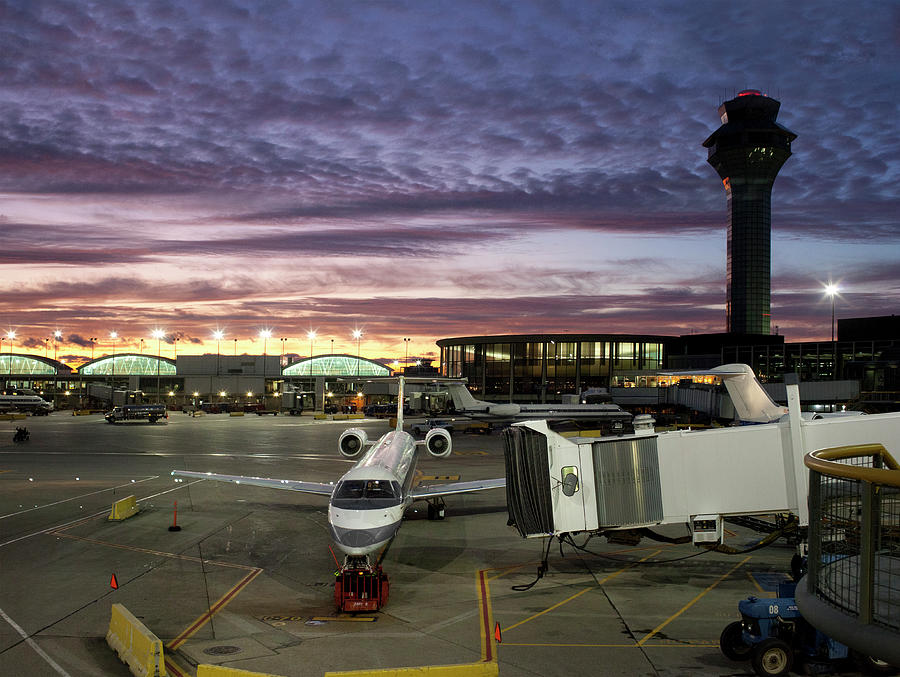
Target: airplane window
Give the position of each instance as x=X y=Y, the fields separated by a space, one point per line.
x=366 y=494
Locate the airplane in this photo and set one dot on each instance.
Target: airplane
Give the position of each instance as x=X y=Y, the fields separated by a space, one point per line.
x=752 y=403
x=25 y=400
x=366 y=505
x=466 y=404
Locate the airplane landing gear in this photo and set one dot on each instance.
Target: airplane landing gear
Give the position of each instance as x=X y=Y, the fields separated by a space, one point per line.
x=360 y=585
x=436 y=508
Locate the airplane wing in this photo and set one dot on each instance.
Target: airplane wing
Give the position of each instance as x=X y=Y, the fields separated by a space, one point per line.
x=320 y=488
x=457 y=488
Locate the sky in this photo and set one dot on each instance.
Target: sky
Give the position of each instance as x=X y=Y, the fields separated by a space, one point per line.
x=424 y=170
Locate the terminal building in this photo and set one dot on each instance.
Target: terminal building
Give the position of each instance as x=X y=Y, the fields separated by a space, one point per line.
x=860 y=368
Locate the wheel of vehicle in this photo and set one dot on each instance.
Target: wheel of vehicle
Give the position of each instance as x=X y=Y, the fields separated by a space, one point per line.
x=772 y=657
x=732 y=643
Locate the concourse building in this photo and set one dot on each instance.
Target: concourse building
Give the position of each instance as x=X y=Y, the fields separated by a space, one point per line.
x=542 y=368
x=194 y=380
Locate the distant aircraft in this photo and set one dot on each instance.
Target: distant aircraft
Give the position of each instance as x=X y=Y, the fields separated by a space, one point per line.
x=467 y=405
x=25 y=400
x=366 y=505
x=752 y=403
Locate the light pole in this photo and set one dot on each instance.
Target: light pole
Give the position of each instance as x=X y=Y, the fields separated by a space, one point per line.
x=218 y=335
x=158 y=334
x=311 y=335
x=57 y=335
x=10 y=336
x=831 y=290
x=406 y=359
x=114 y=335
x=357 y=334
x=264 y=334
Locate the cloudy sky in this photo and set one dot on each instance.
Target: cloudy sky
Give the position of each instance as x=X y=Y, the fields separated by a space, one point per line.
x=428 y=169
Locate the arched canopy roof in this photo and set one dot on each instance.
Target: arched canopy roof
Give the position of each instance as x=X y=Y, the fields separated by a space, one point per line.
x=129 y=364
x=31 y=365
x=336 y=365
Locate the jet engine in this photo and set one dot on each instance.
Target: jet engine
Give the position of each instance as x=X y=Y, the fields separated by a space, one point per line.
x=352 y=441
x=438 y=442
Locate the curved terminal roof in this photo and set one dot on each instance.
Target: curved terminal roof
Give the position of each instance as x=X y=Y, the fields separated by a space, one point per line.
x=30 y=364
x=336 y=365
x=129 y=364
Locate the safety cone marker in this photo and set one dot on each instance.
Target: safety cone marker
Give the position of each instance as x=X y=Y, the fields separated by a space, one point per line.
x=113 y=583
x=175 y=526
x=497 y=633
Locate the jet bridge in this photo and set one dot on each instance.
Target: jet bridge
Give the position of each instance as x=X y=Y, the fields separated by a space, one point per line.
x=561 y=485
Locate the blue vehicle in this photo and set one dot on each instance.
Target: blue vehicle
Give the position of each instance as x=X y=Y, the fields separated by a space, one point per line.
x=772 y=634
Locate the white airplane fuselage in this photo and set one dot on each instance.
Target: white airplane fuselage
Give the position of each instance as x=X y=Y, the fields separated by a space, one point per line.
x=367 y=506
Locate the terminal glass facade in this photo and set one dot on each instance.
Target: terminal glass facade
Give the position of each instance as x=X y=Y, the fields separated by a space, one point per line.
x=130 y=365
x=25 y=365
x=336 y=365
x=544 y=368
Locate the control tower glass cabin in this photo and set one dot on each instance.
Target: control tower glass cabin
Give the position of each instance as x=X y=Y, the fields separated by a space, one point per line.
x=747 y=151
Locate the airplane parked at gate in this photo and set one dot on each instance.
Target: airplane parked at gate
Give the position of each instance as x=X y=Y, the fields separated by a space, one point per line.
x=366 y=505
x=466 y=404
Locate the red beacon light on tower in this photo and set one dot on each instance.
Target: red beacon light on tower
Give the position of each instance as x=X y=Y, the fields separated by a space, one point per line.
x=750 y=92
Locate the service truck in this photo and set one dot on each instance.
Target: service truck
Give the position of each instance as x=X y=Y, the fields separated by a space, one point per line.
x=137 y=412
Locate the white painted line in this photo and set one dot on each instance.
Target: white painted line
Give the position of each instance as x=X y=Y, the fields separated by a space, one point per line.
x=74 y=498
x=30 y=642
x=87 y=517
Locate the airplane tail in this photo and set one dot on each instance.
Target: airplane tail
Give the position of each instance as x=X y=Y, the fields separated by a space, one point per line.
x=751 y=402
x=462 y=396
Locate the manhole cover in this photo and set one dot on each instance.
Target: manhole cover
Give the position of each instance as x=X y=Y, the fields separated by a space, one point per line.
x=223 y=650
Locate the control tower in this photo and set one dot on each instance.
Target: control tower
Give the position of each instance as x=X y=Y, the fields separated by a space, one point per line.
x=747 y=151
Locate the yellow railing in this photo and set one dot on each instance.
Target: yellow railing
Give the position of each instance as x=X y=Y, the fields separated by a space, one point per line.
x=823 y=462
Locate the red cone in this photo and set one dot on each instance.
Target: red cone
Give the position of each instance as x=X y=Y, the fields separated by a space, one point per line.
x=114 y=584
x=497 y=633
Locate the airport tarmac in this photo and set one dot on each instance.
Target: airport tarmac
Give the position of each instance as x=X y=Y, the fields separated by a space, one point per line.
x=248 y=581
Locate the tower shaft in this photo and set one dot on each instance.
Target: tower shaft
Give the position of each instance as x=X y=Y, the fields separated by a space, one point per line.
x=747 y=151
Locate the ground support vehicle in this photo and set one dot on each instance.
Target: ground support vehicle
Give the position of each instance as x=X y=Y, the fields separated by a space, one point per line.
x=260 y=412
x=773 y=635
x=137 y=412
x=359 y=586
x=21 y=434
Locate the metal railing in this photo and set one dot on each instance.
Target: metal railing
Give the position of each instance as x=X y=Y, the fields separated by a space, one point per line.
x=854 y=533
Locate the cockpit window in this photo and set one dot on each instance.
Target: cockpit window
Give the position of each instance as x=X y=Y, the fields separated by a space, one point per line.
x=366 y=494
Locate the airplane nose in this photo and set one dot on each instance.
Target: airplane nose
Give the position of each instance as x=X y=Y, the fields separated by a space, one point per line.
x=361 y=538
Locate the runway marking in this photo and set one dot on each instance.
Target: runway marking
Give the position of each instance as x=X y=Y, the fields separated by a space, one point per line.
x=487 y=618
x=30 y=642
x=606 y=578
x=89 y=517
x=213 y=610
x=65 y=500
x=662 y=645
x=220 y=604
x=694 y=601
